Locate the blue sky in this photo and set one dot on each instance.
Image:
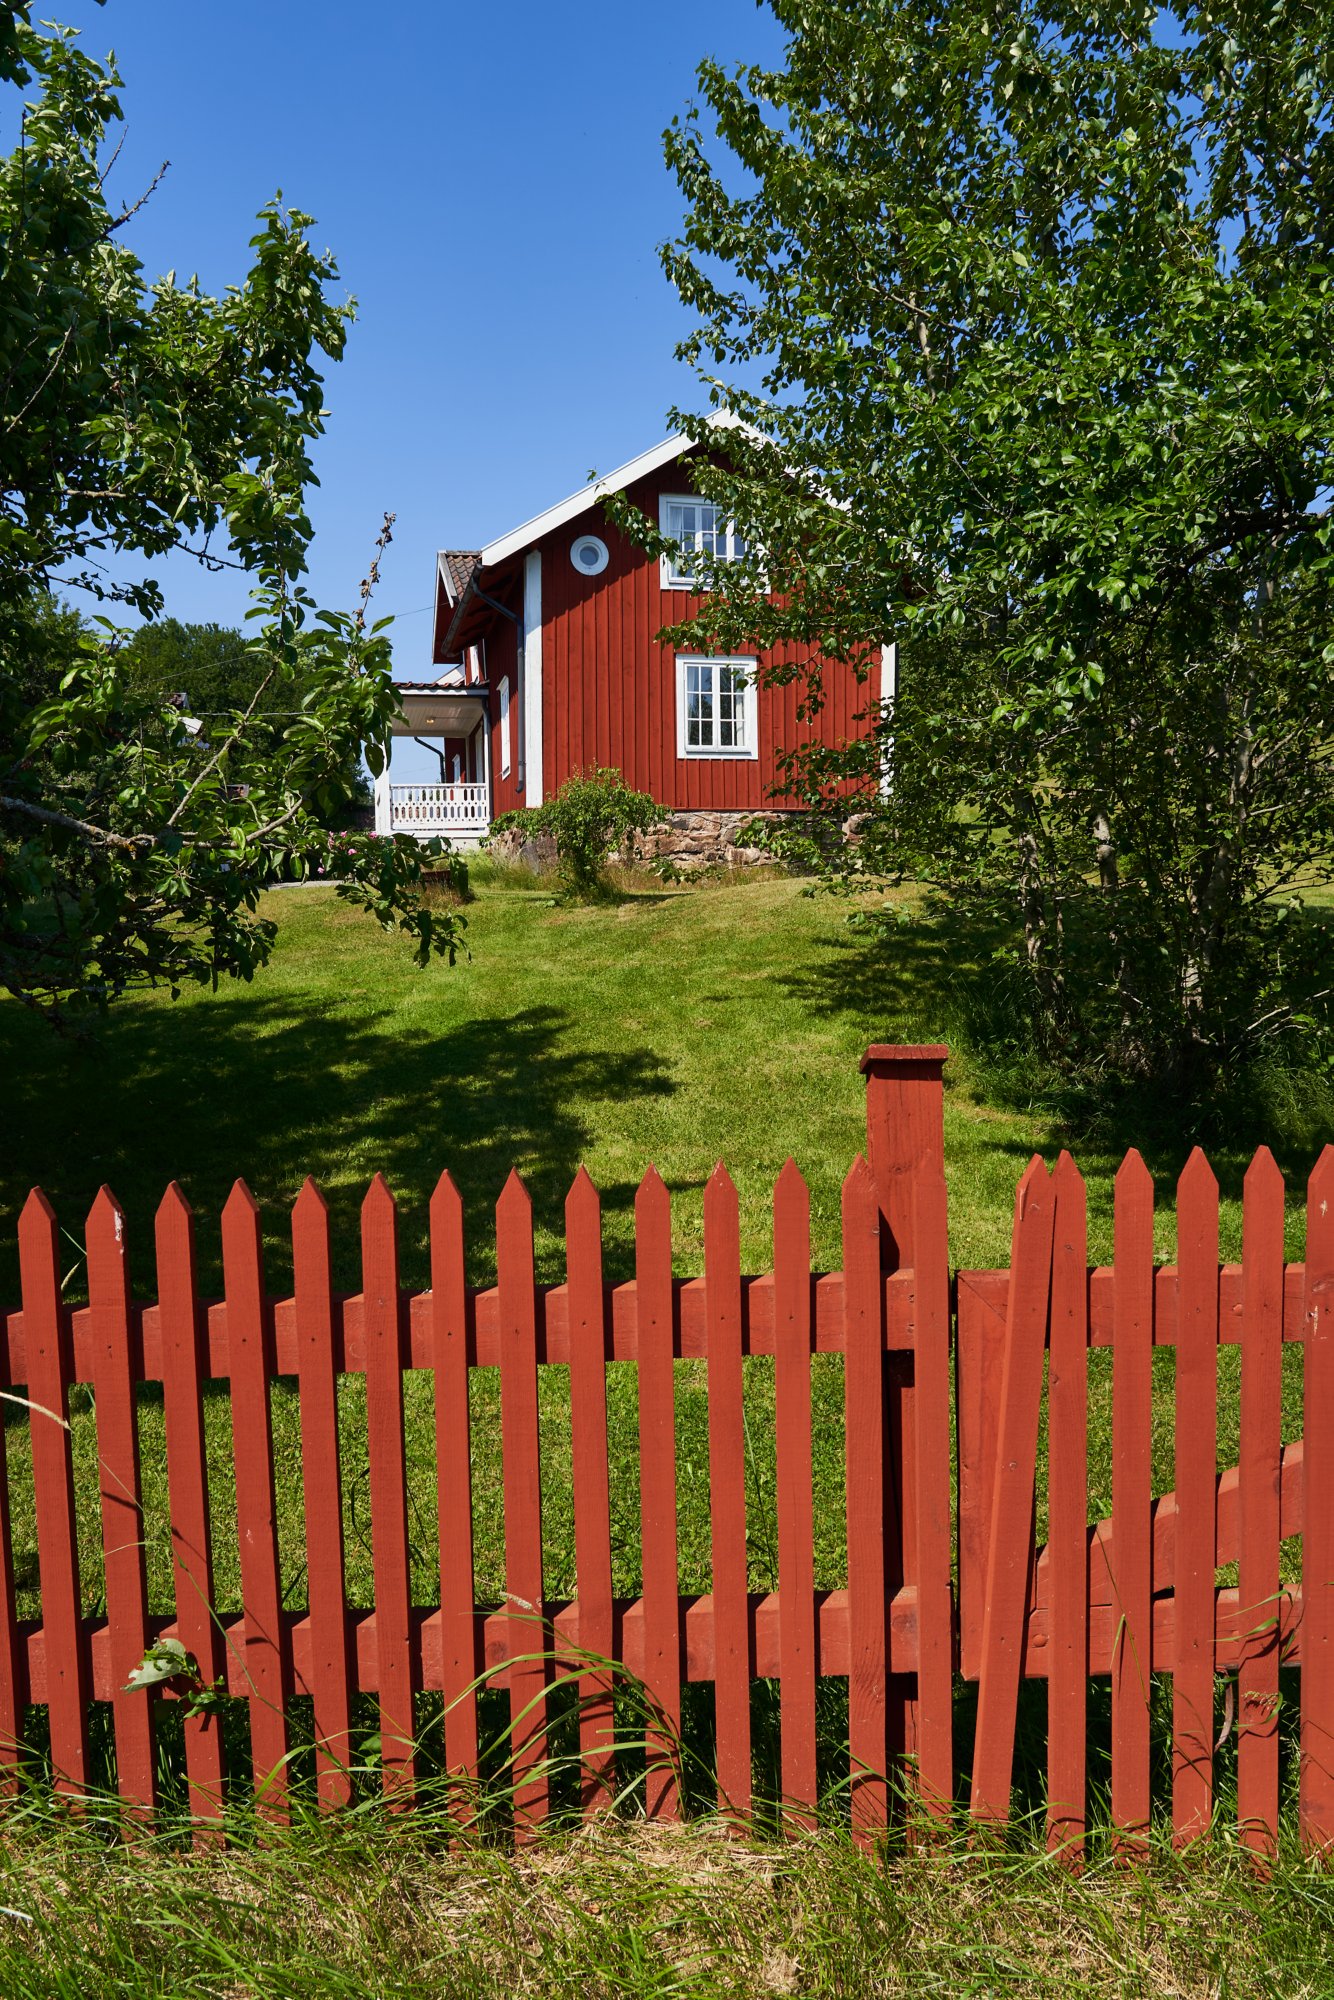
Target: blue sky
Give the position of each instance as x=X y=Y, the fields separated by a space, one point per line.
x=490 y=178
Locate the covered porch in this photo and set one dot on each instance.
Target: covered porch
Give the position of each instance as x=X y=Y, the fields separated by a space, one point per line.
x=448 y=722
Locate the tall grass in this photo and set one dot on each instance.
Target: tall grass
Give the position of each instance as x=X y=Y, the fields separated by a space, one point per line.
x=369 y=1904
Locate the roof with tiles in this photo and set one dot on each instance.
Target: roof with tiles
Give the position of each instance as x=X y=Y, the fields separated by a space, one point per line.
x=460 y=566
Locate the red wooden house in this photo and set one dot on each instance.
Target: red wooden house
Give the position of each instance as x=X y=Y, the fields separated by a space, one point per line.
x=548 y=662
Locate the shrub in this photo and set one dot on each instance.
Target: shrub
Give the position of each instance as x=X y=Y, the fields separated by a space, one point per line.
x=592 y=815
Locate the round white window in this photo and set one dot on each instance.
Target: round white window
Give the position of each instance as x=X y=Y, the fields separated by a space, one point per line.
x=588 y=553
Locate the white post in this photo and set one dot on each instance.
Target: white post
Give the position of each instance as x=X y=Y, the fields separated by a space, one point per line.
x=532 y=678
x=889 y=687
x=383 y=809
x=486 y=759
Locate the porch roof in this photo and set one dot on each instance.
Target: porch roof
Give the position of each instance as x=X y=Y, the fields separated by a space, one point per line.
x=428 y=709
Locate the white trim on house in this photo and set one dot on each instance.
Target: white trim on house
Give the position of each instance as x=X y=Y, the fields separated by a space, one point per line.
x=889 y=687
x=505 y=756
x=532 y=678
x=578 y=503
x=749 y=748
x=671 y=579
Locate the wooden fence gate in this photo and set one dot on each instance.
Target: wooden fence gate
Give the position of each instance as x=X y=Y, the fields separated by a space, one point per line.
x=939 y=1582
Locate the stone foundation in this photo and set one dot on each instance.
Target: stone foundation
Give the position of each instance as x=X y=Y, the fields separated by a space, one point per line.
x=706 y=840
x=688 y=840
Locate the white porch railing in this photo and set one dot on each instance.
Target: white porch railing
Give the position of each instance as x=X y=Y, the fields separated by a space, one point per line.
x=433 y=809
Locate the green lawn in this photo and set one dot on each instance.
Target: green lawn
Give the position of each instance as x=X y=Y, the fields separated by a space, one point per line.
x=679 y=1027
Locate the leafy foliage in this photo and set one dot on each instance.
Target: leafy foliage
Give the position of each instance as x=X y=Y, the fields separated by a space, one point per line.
x=592 y=815
x=1026 y=312
x=136 y=419
x=211 y=672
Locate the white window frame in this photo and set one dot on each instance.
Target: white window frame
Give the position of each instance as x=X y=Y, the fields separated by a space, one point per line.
x=748 y=754
x=504 y=725
x=670 y=581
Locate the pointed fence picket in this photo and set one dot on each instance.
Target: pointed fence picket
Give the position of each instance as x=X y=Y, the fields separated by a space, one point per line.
x=1127 y=1598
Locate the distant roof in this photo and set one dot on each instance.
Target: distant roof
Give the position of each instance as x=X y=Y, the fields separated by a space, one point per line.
x=458 y=567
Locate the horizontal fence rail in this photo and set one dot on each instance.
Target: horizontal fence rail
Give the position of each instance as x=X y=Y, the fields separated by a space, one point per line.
x=943 y=1573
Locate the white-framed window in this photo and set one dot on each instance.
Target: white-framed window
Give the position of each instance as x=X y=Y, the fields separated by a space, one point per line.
x=715 y=707
x=700 y=529
x=505 y=726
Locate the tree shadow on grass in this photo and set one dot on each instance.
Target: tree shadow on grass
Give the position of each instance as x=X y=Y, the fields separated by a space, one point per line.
x=943 y=976
x=242 y=1085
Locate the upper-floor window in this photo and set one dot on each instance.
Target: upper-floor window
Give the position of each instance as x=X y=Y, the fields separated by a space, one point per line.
x=699 y=528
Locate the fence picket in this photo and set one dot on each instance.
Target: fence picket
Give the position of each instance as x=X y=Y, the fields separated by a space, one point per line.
x=592 y=1498
x=184 y=1362
x=453 y=1475
x=266 y=1660
x=386 y=1453
x=1132 y=1499
x=50 y=1371
x=1067 y=1514
x=864 y=1430
x=1010 y=1551
x=931 y=1403
x=1196 y=1488
x=521 y=1463
x=796 y=1521
x=1258 y=1475
x=115 y=1368
x=326 y=1589
x=657 y=1493
x=1316 y=1792
x=727 y=1491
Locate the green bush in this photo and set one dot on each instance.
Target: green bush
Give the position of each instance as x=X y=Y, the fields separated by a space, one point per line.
x=594 y=814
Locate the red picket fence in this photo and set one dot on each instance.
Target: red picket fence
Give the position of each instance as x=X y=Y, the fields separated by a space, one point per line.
x=1125 y=1598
